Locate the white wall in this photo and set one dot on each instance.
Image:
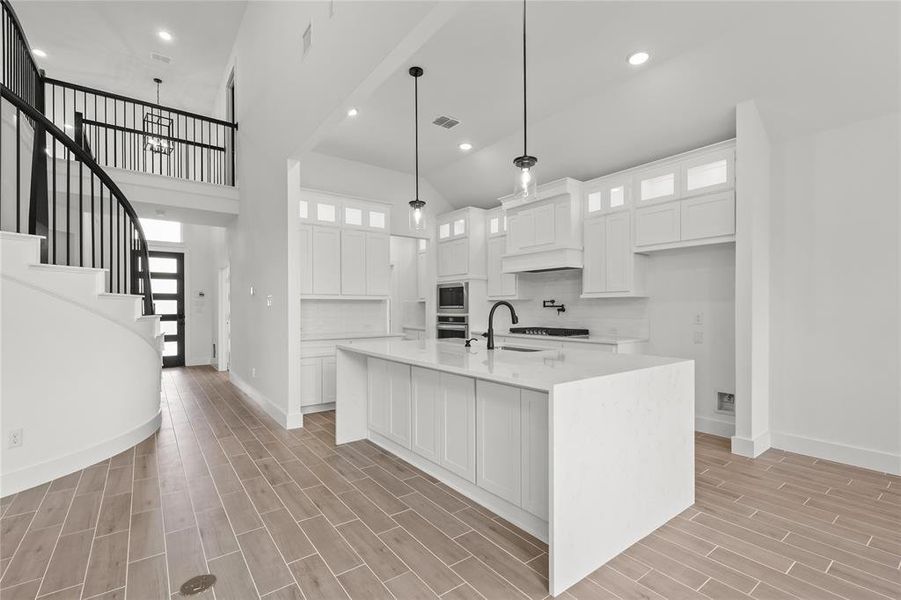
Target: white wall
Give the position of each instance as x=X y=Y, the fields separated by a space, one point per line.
x=282 y=100
x=683 y=284
x=835 y=295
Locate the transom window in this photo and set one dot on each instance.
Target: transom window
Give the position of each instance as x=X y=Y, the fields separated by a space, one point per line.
x=156 y=230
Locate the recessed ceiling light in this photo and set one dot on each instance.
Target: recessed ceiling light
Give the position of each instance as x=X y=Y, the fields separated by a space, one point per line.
x=39 y=53
x=639 y=58
x=352 y=112
x=465 y=146
x=164 y=35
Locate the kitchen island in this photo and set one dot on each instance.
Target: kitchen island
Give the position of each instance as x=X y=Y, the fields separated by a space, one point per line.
x=587 y=451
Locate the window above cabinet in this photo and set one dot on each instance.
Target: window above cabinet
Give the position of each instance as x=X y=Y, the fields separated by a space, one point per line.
x=325 y=208
x=607 y=194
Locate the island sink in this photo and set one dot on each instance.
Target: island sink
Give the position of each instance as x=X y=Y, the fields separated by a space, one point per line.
x=587 y=451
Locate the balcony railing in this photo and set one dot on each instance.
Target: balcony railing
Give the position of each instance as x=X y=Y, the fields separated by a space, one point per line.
x=129 y=133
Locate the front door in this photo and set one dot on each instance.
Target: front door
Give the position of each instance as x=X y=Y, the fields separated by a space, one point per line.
x=167 y=282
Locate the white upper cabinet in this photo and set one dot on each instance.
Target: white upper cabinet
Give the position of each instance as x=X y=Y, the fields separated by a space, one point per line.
x=461 y=244
x=709 y=172
x=611 y=269
x=607 y=194
x=344 y=245
x=422 y=270
x=500 y=284
x=657 y=184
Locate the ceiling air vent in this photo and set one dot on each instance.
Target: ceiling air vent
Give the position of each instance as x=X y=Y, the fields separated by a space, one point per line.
x=160 y=58
x=446 y=122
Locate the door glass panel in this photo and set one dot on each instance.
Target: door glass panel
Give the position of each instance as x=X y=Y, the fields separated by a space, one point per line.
x=494 y=225
x=164 y=286
x=376 y=219
x=163 y=265
x=170 y=348
x=701 y=176
x=325 y=212
x=304 y=209
x=617 y=196
x=459 y=227
x=353 y=216
x=166 y=307
x=444 y=230
x=658 y=187
x=594 y=202
x=423 y=244
x=169 y=327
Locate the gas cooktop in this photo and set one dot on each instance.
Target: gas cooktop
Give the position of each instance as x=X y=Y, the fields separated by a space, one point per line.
x=555 y=331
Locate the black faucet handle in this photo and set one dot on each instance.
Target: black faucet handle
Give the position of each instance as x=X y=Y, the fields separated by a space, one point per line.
x=469 y=342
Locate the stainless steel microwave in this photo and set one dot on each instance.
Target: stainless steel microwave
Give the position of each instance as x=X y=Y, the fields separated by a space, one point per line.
x=453 y=298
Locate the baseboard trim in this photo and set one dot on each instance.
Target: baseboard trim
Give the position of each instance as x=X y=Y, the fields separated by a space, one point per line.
x=875 y=460
x=315 y=408
x=286 y=420
x=28 y=477
x=717 y=427
x=752 y=448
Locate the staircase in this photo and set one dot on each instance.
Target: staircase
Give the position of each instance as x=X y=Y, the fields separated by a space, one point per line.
x=80 y=346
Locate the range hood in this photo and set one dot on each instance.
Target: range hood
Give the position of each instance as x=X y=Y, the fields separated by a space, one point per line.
x=544 y=234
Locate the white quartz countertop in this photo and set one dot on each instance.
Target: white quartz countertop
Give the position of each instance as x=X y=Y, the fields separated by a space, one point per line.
x=535 y=370
x=318 y=337
x=591 y=339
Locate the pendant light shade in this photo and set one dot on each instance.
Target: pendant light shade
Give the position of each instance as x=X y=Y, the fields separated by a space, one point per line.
x=525 y=186
x=417 y=206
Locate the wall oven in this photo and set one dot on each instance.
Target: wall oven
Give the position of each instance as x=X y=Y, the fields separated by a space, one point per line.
x=452 y=326
x=453 y=298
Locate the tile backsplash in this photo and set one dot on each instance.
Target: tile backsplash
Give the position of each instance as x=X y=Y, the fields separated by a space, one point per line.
x=609 y=316
x=319 y=317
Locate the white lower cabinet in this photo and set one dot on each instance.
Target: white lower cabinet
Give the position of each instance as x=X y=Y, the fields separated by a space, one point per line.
x=499 y=440
x=444 y=420
x=311 y=381
x=329 y=379
x=534 y=452
x=427 y=400
x=389 y=400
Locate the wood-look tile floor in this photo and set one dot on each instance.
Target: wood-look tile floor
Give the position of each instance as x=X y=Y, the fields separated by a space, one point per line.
x=287 y=515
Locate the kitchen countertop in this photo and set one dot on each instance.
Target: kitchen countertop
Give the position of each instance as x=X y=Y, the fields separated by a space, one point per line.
x=534 y=370
x=321 y=337
x=591 y=339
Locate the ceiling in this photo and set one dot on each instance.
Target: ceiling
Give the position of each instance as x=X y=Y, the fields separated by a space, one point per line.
x=107 y=45
x=591 y=113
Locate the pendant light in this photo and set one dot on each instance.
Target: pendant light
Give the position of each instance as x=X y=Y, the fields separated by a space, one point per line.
x=157 y=128
x=526 y=186
x=417 y=206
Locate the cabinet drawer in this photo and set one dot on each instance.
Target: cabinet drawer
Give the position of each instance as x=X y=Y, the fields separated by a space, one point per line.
x=708 y=216
x=659 y=224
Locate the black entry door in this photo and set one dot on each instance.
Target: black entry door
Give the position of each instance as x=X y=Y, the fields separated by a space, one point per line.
x=167 y=282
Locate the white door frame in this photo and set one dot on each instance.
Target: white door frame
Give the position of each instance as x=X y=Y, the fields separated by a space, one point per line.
x=223 y=343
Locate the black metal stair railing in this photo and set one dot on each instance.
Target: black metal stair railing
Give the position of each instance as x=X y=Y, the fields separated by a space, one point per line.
x=84 y=218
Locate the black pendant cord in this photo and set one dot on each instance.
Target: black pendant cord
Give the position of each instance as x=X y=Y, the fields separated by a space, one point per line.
x=416 y=128
x=525 y=123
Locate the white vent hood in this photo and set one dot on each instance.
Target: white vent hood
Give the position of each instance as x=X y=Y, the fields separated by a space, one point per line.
x=545 y=234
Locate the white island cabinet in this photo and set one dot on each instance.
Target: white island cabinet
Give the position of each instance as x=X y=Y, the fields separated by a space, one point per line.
x=587 y=451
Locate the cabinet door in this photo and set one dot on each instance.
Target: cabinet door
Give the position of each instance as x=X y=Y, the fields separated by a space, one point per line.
x=353 y=263
x=444 y=259
x=426 y=434
x=522 y=229
x=422 y=282
x=618 y=252
x=535 y=453
x=379 y=395
x=310 y=381
x=499 y=283
x=399 y=404
x=306 y=259
x=457 y=422
x=378 y=265
x=594 y=268
x=498 y=440
x=659 y=224
x=460 y=256
x=708 y=216
x=326 y=260
x=329 y=379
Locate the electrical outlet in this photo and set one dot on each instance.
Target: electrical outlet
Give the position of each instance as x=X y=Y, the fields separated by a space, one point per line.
x=699 y=318
x=699 y=337
x=253 y=372
x=15 y=438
